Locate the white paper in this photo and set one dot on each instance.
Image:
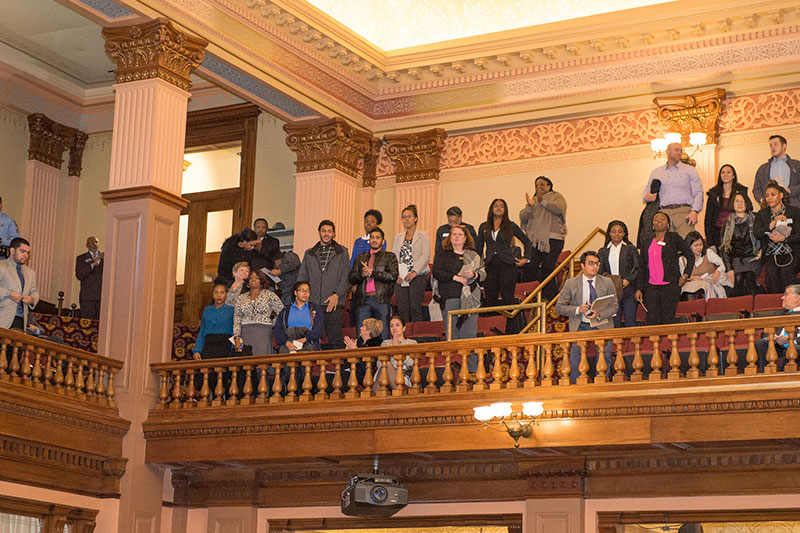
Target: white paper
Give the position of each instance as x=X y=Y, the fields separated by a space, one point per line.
x=297 y=344
x=271 y=276
x=403 y=270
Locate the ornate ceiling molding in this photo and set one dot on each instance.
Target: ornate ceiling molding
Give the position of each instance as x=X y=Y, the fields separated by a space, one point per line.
x=329 y=144
x=154 y=49
x=416 y=155
x=49 y=140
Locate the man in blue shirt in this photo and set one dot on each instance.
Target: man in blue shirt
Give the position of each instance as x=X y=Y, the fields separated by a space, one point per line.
x=781 y=168
x=681 y=196
x=8 y=228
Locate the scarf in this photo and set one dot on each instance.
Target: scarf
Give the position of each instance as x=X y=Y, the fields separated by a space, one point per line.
x=471 y=297
x=540 y=225
x=730 y=226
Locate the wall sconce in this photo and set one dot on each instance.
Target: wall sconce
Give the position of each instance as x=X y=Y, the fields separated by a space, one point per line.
x=516 y=424
x=698 y=140
x=659 y=146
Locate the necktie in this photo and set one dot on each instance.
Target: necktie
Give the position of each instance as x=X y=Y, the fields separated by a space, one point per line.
x=592 y=292
x=20 y=305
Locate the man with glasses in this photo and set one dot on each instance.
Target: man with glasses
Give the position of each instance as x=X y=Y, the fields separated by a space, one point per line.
x=575 y=302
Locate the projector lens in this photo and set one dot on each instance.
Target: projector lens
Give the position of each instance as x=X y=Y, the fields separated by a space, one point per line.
x=379 y=494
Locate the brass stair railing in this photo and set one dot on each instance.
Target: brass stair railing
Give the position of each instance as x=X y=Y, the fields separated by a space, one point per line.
x=568 y=265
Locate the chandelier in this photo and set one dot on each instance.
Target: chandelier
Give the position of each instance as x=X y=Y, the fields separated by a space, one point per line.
x=516 y=424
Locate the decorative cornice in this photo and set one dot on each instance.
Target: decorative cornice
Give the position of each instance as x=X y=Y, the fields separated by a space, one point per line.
x=48 y=140
x=688 y=461
x=692 y=113
x=328 y=144
x=675 y=409
x=61 y=418
x=416 y=156
x=75 y=163
x=154 y=49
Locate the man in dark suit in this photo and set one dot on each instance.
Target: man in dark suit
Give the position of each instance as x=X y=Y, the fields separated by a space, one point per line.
x=268 y=249
x=791 y=305
x=575 y=302
x=89 y=270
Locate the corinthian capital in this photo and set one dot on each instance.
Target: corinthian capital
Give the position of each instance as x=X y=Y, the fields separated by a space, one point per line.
x=326 y=144
x=154 y=49
x=416 y=155
x=49 y=140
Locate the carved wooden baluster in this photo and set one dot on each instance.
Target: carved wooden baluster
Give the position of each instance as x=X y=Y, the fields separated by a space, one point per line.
x=307 y=384
x=111 y=392
x=163 y=392
x=247 y=390
x=102 y=375
x=15 y=361
x=530 y=366
x=191 y=392
x=233 y=389
x=352 y=381
x=36 y=371
x=713 y=355
x=694 y=357
x=463 y=375
x=431 y=377
x=176 y=389
x=263 y=386
x=205 y=390
x=369 y=381
x=657 y=361
x=416 y=379
x=90 y=381
x=50 y=359
x=565 y=369
x=791 y=351
x=619 y=363
x=674 y=358
x=772 y=354
x=277 y=384
x=291 y=387
x=58 y=371
x=219 y=389
x=383 y=376
x=322 y=383
x=69 y=380
x=583 y=364
x=732 y=358
x=447 y=376
x=513 y=372
x=480 y=373
x=25 y=361
x=602 y=365
x=399 y=376
x=752 y=356
x=549 y=369
x=80 y=380
x=497 y=369
x=337 y=378
x=3 y=360
x=638 y=361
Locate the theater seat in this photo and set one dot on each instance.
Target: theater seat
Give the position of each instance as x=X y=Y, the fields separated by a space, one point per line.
x=691 y=309
x=743 y=305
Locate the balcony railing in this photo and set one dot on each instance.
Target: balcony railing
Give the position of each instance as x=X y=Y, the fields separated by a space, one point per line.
x=45 y=365
x=677 y=352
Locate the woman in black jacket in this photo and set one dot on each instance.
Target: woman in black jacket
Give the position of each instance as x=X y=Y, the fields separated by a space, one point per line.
x=740 y=249
x=720 y=204
x=618 y=257
x=776 y=225
x=659 y=276
x=238 y=248
x=498 y=233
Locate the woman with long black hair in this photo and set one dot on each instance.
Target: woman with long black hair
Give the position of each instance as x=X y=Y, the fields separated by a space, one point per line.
x=497 y=234
x=720 y=204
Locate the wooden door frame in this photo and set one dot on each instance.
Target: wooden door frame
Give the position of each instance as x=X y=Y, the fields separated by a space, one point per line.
x=512 y=521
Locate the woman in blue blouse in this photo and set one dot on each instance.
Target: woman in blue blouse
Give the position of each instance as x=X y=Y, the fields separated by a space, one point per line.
x=216 y=326
x=300 y=326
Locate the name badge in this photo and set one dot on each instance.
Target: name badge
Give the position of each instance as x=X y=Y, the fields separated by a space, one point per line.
x=661 y=243
x=445 y=234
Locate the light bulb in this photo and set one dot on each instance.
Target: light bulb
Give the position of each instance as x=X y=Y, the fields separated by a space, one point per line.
x=483 y=413
x=532 y=409
x=697 y=139
x=501 y=409
x=672 y=138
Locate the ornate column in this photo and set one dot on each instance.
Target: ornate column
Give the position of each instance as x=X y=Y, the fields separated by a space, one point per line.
x=695 y=113
x=154 y=61
x=416 y=157
x=48 y=141
x=329 y=154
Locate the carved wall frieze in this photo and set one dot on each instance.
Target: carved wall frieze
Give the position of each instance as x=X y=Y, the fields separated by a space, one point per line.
x=329 y=144
x=416 y=156
x=692 y=113
x=688 y=461
x=154 y=49
x=49 y=140
x=671 y=410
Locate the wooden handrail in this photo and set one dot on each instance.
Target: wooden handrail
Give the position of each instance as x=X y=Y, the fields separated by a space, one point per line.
x=42 y=364
x=495 y=309
x=503 y=362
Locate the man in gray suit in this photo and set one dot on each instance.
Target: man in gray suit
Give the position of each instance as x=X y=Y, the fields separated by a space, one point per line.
x=18 y=290
x=575 y=302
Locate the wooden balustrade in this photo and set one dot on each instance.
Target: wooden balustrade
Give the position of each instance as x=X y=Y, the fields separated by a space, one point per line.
x=699 y=350
x=44 y=365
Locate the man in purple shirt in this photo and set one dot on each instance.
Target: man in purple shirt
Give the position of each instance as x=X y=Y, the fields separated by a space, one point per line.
x=681 y=195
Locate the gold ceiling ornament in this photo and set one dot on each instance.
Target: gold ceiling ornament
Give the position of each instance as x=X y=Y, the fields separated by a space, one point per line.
x=416 y=156
x=49 y=140
x=154 y=49
x=692 y=114
x=328 y=144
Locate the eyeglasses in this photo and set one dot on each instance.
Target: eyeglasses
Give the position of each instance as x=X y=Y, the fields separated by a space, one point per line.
x=593 y=263
x=302 y=290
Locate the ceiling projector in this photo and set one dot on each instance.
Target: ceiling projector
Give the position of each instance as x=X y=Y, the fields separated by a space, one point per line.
x=373 y=495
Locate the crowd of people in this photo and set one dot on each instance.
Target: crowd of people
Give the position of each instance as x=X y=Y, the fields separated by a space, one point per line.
x=670 y=261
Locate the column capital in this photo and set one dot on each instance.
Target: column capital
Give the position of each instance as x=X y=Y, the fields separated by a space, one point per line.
x=692 y=113
x=154 y=49
x=328 y=144
x=416 y=155
x=369 y=171
x=75 y=163
x=49 y=140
